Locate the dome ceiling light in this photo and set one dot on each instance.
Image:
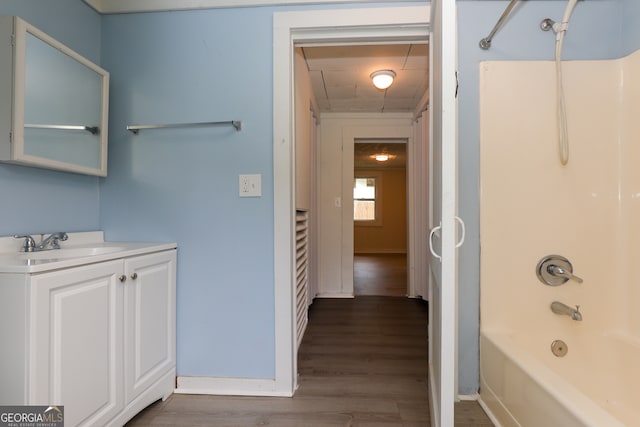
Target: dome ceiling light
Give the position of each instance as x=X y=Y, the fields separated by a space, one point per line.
x=382 y=157
x=382 y=79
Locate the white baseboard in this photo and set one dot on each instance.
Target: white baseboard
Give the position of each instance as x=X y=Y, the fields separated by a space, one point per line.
x=229 y=386
x=380 y=251
x=334 y=295
x=475 y=396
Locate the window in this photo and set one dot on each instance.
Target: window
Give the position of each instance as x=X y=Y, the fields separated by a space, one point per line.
x=366 y=200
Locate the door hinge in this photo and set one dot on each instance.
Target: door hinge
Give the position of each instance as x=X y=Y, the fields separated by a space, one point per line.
x=457 y=84
x=12 y=40
x=10 y=137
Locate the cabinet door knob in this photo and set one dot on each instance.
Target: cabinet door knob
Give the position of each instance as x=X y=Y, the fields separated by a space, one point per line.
x=134 y=276
x=122 y=278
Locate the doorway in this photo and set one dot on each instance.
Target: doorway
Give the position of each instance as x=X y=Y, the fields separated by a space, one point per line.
x=377 y=24
x=354 y=113
x=380 y=218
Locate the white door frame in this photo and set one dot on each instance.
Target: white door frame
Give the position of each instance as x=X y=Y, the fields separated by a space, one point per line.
x=349 y=136
x=384 y=24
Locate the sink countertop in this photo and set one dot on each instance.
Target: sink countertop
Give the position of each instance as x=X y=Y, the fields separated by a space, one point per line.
x=14 y=261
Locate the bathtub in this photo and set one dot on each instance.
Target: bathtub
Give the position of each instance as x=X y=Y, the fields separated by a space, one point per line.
x=596 y=384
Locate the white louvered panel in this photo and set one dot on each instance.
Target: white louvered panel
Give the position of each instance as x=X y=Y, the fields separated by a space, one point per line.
x=302 y=278
x=301 y=272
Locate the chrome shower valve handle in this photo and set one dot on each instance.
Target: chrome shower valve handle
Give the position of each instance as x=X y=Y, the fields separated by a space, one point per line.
x=555 y=270
x=561 y=272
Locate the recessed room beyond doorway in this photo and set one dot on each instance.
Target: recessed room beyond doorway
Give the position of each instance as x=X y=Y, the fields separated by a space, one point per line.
x=380 y=217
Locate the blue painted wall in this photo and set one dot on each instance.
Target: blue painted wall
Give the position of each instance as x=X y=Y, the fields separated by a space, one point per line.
x=182 y=185
x=594 y=33
x=38 y=200
x=630 y=12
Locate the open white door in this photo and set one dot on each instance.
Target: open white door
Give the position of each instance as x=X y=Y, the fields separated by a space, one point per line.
x=442 y=238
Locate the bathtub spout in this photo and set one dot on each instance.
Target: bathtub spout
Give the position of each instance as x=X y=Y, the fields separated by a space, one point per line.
x=560 y=308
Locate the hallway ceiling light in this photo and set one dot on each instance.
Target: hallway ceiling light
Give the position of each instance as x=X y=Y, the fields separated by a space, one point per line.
x=382 y=157
x=382 y=79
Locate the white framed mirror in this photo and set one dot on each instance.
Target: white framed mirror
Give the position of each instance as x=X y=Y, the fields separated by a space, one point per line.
x=59 y=112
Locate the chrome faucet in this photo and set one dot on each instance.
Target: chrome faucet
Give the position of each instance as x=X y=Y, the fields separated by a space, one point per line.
x=51 y=242
x=560 y=308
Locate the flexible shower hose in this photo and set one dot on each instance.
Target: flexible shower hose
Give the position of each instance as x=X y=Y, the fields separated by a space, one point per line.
x=561 y=107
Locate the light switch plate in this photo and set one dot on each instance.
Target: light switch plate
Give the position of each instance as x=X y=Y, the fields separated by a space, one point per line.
x=251 y=185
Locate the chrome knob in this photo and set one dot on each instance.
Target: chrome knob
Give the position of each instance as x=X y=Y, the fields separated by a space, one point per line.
x=29 y=244
x=134 y=276
x=122 y=278
x=547 y=24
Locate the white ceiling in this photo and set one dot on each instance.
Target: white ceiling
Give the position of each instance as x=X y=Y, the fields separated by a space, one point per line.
x=341 y=82
x=364 y=154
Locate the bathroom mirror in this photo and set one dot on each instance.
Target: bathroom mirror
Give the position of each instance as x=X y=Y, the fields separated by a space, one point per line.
x=60 y=104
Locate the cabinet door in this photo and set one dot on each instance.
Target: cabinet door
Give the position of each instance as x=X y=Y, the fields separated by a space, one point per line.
x=76 y=342
x=149 y=324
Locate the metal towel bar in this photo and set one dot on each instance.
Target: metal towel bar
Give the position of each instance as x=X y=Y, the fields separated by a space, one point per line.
x=485 y=43
x=136 y=128
x=93 y=129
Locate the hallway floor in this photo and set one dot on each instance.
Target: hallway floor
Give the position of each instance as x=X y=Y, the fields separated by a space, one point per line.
x=380 y=274
x=362 y=362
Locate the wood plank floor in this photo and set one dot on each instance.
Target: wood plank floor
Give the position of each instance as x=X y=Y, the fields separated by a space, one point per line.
x=380 y=274
x=362 y=362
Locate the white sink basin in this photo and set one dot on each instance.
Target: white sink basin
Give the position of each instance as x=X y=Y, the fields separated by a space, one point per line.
x=71 y=252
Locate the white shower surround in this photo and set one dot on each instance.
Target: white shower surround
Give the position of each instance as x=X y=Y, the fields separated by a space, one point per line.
x=587 y=211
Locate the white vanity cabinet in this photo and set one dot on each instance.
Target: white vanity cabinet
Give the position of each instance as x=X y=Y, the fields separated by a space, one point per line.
x=98 y=338
x=53 y=103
